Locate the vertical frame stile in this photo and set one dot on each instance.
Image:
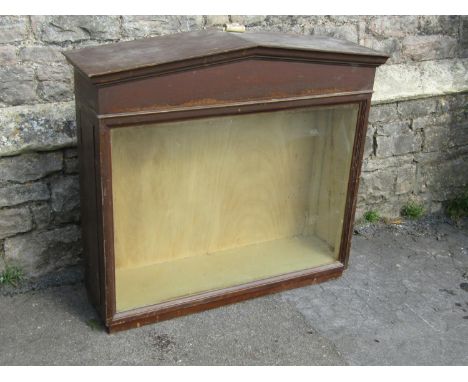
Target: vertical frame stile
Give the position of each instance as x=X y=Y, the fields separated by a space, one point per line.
x=107 y=227
x=353 y=180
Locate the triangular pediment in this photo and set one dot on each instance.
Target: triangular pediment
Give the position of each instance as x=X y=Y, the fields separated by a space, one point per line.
x=162 y=54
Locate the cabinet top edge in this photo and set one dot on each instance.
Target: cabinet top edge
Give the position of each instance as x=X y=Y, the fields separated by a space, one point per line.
x=129 y=59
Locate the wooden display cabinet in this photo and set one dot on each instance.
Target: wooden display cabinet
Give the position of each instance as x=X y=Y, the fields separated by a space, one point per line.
x=216 y=167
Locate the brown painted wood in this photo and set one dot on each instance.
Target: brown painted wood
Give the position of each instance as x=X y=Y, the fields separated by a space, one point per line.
x=227 y=296
x=353 y=183
x=242 y=81
x=85 y=92
x=88 y=202
x=199 y=75
x=183 y=113
x=164 y=54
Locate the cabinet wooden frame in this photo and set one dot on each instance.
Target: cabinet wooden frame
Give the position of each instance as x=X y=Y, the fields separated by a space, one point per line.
x=97 y=116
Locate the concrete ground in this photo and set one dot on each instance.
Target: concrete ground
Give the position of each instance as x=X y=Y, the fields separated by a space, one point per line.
x=403 y=301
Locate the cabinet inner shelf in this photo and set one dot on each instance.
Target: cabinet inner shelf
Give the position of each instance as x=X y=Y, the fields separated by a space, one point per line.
x=165 y=281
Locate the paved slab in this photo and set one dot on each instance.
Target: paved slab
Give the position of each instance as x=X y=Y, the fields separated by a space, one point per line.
x=404 y=300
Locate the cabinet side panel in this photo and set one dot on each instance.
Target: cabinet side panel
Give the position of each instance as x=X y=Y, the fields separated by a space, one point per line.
x=338 y=147
x=88 y=200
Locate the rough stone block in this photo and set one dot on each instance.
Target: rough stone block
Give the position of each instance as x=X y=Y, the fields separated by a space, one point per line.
x=419 y=48
x=41 y=54
x=405 y=179
x=377 y=186
x=445 y=138
x=394 y=128
x=453 y=102
x=421 y=123
x=444 y=179
x=390 y=46
x=458 y=135
x=431 y=25
x=16 y=74
x=421 y=79
x=38 y=253
x=392 y=82
x=464 y=36
x=71 y=166
x=8 y=55
x=347 y=19
x=31 y=166
x=14 y=220
x=17 y=85
x=345 y=32
x=70 y=153
x=369 y=145
x=383 y=113
x=446 y=104
x=393 y=26
x=13 y=29
x=248 y=21
x=42 y=215
x=417 y=108
x=58 y=29
x=18 y=94
x=398 y=145
x=144 y=26
x=65 y=197
x=435 y=138
x=55 y=91
x=428 y=158
x=40 y=127
x=20 y=193
x=54 y=73
x=216 y=20
x=291 y=24
x=444 y=76
x=375 y=163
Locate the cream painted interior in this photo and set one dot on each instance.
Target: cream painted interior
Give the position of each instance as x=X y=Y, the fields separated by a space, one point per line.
x=216 y=202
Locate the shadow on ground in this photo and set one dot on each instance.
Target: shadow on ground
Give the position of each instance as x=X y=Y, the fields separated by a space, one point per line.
x=403 y=301
x=57 y=326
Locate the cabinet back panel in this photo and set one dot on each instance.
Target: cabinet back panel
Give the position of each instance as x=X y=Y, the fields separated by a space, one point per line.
x=197 y=187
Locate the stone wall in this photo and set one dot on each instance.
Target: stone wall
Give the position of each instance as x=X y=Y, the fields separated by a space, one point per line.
x=417 y=143
x=416 y=149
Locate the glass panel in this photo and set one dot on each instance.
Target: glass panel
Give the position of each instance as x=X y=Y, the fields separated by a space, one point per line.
x=211 y=203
